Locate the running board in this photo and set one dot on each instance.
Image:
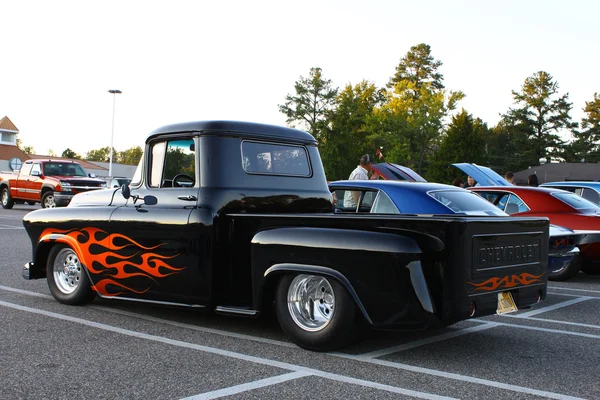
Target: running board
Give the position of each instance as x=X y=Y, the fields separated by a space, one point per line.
x=236 y=310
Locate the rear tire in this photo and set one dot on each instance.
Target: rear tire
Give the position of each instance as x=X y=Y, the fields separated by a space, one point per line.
x=48 y=199
x=67 y=278
x=316 y=312
x=6 y=198
x=568 y=272
x=591 y=269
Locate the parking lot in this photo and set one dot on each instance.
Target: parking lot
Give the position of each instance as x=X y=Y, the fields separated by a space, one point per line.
x=116 y=349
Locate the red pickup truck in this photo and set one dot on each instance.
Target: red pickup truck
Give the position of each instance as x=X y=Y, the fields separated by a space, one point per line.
x=50 y=182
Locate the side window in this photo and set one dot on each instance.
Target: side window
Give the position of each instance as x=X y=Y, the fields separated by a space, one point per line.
x=26 y=169
x=346 y=200
x=515 y=205
x=501 y=201
x=591 y=195
x=173 y=164
x=384 y=205
x=274 y=159
x=366 y=201
x=37 y=168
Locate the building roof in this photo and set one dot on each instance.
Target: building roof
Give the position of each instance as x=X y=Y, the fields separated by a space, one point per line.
x=8 y=151
x=558 y=172
x=83 y=163
x=7 y=125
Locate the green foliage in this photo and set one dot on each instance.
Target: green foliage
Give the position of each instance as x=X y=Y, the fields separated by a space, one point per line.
x=508 y=149
x=25 y=149
x=68 y=153
x=586 y=145
x=131 y=156
x=542 y=114
x=464 y=141
x=312 y=104
x=418 y=67
x=102 y=155
x=347 y=138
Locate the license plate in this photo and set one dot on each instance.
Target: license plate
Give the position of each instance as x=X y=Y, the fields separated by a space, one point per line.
x=506 y=304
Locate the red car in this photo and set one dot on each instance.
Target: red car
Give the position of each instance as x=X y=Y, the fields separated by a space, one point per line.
x=561 y=207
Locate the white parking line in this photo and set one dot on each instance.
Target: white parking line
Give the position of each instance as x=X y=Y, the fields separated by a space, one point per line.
x=227 y=353
x=433 y=339
x=554 y=321
x=463 y=378
x=245 y=387
x=553 y=307
x=7 y=227
x=574 y=290
x=25 y=292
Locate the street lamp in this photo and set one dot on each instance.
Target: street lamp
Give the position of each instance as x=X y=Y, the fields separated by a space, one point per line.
x=114 y=92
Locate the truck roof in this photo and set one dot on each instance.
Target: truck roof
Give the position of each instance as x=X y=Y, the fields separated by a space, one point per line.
x=237 y=128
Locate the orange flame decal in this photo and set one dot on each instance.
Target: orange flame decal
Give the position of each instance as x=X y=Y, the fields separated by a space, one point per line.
x=506 y=282
x=106 y=260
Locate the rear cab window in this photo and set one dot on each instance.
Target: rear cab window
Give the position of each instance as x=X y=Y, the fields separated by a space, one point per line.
x=275 y=159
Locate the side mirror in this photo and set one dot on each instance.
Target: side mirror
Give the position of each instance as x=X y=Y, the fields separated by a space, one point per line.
x=36 y=173
x=92 y=175
x=125 y=191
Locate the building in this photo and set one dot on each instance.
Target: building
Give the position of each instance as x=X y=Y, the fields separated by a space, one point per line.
x=559 y=172
x=11 y=157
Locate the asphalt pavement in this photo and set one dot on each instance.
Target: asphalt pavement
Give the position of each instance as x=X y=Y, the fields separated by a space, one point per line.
x=118 y=349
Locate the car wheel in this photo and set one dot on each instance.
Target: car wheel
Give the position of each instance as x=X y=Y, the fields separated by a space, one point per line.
x=66 y=276
x=316 y=312
x=591 y=269
x=6 y=198
x=567 y=271
x=48 y=200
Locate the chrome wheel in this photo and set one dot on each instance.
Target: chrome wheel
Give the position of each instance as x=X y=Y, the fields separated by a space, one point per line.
x=49 y=201
x=4 y=197
x=311 y=302
x=67 y=271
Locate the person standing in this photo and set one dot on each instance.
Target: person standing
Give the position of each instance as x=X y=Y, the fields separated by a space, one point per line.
x=470 y=182
x=532 y=180
x=361 y=173
x=510 y=177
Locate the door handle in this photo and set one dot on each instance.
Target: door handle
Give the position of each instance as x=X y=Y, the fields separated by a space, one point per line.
x=189 y=197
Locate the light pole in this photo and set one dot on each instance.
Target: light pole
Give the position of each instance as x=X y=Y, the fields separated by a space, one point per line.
x=114 y=92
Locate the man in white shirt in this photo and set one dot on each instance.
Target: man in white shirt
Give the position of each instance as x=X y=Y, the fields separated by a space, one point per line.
x=361 y=172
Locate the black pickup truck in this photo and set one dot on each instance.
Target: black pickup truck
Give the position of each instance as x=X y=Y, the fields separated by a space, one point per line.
x=237 y=218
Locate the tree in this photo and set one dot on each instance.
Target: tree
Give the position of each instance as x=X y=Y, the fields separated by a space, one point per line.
x=586 y=145
x=347 y=138
x=311 y=105
x=102 y=155
x=464 y=141
x=418 y=67
x=131 y=156
x=25 y=149
x=542 y=114
x=51 y=153
x=68 y=153
x=508 y=148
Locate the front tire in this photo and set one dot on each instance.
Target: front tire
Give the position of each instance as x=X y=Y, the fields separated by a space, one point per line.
x=48 y=200
x=6 y=198
x=66 y=276
x=566 y=272
x=316 y=312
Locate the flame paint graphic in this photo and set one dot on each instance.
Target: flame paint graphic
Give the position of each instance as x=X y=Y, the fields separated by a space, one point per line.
x=152 y=265
x=506 y=282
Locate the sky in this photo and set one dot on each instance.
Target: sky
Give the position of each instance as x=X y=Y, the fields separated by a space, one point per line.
x=178 y=61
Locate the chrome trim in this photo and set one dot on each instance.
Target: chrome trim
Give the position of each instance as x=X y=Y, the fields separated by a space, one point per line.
x=236 y=310
x=167 y=303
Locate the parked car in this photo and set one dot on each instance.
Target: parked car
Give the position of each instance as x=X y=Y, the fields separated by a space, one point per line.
x=588 y=190
x=50 y=182
x=402 y=197
x=237 y=218
x=562 y=208
x=395 y=172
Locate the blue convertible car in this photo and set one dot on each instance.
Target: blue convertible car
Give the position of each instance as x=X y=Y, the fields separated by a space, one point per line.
x=404 y=197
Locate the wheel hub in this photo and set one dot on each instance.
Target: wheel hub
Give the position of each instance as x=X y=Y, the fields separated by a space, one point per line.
x=67 y=271
x=311 y=302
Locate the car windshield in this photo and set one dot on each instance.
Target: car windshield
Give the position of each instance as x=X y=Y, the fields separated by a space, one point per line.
x=63 y=169
x=463 y=202
x=576 y=201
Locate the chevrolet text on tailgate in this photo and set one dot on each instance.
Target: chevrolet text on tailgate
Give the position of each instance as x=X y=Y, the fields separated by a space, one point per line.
x=237 y=218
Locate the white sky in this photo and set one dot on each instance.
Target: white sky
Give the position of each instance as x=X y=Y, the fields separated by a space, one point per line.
x=179 y=61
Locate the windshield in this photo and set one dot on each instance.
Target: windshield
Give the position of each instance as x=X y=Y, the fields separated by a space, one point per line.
x=463 y=202
x=63 y=169
x=575 y=201
x=137 y=175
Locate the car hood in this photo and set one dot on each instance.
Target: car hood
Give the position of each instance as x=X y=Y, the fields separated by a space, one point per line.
x=395 y=172
x=102 y=197
x=484 y=176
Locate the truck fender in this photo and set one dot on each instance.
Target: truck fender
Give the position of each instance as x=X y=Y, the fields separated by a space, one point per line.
x=37 y=269
x=276 y=270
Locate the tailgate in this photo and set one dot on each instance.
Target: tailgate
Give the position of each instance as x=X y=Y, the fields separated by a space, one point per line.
x=505 y=255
